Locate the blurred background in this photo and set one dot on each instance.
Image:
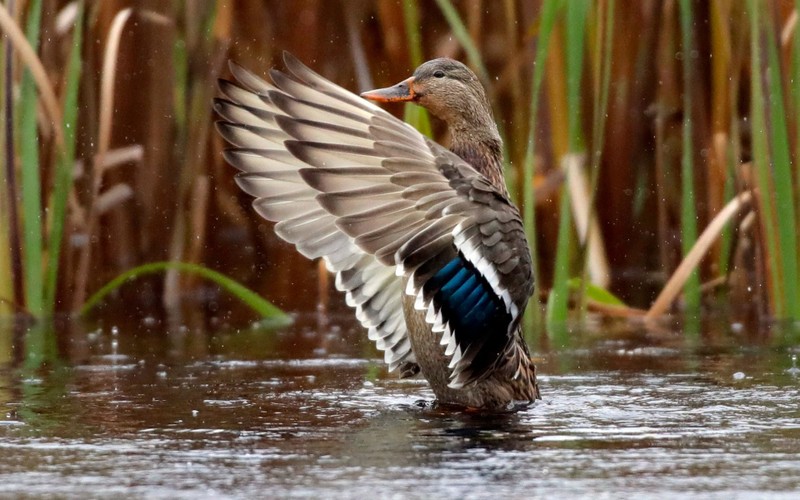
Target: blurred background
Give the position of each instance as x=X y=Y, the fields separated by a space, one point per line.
x=629 y=126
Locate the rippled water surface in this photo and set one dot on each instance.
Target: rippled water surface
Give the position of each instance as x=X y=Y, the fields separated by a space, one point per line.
x=145 y=411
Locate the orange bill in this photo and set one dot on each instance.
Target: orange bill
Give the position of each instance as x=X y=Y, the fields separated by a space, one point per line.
x=403 y=91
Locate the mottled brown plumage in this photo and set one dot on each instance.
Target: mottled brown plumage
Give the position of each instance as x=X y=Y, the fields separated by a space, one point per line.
x=424 y=242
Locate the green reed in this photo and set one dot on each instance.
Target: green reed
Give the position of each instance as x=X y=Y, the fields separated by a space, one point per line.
x=774 y=94
x=28 y=140
x=688 y=202
x=575 y=20
x=416 y=116
x=546 y=23
x=40 y=278
x=65 y=160
x=782 y=171
x=761 y=155
x=6 y=266
x=602 y=75
x=14 y=280
x=762 y=159
x=475 y=59
x=794 y=91
x=462 y=35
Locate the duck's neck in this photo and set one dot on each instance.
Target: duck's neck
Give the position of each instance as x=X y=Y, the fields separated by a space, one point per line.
x=484 y=152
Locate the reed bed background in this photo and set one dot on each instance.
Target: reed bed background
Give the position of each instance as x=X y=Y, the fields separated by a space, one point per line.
x=653 y=146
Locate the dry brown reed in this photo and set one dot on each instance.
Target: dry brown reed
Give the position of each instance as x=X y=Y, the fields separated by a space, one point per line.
x=148 y=85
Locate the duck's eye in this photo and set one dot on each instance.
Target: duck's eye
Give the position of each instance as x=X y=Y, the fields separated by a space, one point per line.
x=438 y=73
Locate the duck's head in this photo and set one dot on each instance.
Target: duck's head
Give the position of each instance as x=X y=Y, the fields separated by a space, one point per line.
x=449 y=90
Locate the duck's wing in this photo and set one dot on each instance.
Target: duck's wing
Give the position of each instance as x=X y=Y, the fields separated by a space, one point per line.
x=272 y=174
x=352 y=184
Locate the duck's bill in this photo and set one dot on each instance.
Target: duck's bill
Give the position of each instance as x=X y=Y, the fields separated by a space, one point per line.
x=403 y=91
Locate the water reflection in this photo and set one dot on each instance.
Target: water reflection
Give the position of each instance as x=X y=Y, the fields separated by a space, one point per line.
x=145 y=409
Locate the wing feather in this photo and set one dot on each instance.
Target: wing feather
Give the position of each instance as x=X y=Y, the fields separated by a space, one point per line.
x=346 y=181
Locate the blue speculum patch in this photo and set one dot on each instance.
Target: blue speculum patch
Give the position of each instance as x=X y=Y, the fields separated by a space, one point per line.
x=467 y=301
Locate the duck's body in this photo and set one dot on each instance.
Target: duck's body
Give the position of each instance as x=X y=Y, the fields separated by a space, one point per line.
x=424 y=241
x=513 y=380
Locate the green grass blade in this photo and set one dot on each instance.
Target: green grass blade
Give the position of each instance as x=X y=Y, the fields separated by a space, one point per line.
x=558 y=301
x=28 y=140
x=729 y=191
x=598 y=136
x=180 y=61
x=474 y=57
x=782 y=172
x=414 y=115
x=546 y=23
x=65 y=162
x=462 y=35
x=247 y=296
x=577 y=11
x=418 y=117
x=6 y=267
x=594 y=292
x=688 y=206
x=413 y=35
x=795 y=106
x=599 y=123
x=557 y=304
x=6 y=290
x=11 y=208
x=761 y=159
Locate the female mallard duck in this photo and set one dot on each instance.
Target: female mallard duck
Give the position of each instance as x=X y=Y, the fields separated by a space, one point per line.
x=424 y=242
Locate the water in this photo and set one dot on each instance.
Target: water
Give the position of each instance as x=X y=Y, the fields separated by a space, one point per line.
x=146 y=411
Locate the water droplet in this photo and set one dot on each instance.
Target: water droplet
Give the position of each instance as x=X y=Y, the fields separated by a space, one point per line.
x=794 y=371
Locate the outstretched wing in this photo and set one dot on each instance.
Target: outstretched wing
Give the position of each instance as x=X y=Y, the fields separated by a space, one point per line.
x=348 y=182
x=271 y=174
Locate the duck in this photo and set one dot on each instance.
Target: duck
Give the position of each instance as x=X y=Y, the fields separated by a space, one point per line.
x=424 y=240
